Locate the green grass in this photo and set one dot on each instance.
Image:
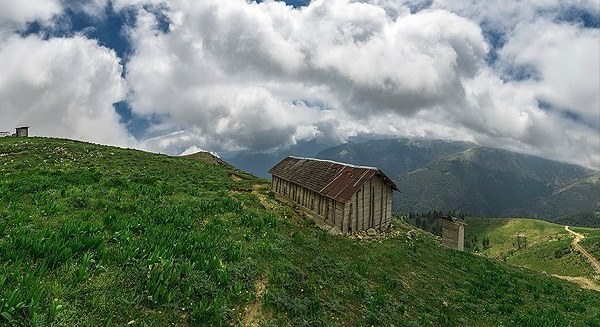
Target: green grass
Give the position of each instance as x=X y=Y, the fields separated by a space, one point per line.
x=591 y=242
x=503 y=232
x=553 y=257
x=547 y=246
x=101 y=236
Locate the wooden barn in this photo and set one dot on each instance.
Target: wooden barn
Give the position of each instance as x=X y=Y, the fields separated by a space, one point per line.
x=453 y=233
x=351 y=198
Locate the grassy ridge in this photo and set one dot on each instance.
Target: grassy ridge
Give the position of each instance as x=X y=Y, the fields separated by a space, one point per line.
x=100 y=236
x=547 y=246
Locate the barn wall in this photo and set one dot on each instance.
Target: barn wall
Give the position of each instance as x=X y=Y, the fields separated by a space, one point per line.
x=369 y=207
x=328 y=209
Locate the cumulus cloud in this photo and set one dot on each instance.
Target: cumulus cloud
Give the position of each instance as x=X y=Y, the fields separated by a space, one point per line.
x=15 y=14
x=62 y=87
x=240 y=75
x=566 y=58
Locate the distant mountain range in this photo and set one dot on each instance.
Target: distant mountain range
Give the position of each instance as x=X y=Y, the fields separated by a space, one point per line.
x=476 y=180
x=259 y=163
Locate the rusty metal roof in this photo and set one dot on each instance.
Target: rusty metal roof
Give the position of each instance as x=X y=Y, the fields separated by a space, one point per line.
x=335 y=180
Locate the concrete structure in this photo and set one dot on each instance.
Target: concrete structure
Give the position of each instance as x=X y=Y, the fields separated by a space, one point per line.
x=453 y=233
x=351 y=198
x=22 y=131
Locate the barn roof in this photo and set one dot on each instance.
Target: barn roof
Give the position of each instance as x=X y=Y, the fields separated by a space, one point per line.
x=335 y=180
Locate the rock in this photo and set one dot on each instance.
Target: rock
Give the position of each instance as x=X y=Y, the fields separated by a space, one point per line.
x=371 y=232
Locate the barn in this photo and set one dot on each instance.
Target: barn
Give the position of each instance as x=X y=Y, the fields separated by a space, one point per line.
x=351 y=198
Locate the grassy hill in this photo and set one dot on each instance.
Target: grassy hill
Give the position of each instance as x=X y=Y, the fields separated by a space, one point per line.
x=534 y=244
x=100 y=236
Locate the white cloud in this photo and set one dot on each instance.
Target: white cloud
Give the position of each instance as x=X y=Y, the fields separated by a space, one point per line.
x=62 y=87
x=568 y=61
x=15 y=14
x=234 y=74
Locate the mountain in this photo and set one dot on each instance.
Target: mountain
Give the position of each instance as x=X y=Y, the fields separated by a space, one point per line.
x=589 y=219
x=494 y=182
x=394 y=156
x=444 y=175
x=258 y=163
x=93 y=235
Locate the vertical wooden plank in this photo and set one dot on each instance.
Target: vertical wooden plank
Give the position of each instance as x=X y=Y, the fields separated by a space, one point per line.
x=362 y=207
x=333 y=207
x=319 y=204
x=355 y=212
x=381 y=190
x=387 y=216
x=372 y=204
x=348 y=208
x=326 y=204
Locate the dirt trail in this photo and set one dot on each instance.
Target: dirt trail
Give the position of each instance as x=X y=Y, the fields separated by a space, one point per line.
x=253 y=312
x=584 y=282
x=578 y=237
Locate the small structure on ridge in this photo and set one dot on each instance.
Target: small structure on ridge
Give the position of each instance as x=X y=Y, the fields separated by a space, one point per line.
x=453 y=233
x=348 y=197
x=22 y=131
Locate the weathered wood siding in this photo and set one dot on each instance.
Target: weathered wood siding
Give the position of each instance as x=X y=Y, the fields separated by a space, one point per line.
x=453 y=234
x=330 y=210
x=369 y=207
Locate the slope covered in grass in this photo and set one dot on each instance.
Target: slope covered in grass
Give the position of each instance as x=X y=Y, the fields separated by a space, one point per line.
x=591 y=242
x=539 y=245
x=100 y=236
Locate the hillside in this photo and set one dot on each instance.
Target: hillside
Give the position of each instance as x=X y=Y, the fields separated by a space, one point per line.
x=446 y=175
x=101 y=236
x=538 y=245
x=493 y=182
x=589 y=219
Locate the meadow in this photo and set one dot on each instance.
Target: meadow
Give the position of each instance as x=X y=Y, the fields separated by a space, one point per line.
x=93 y=235
x=545 y=247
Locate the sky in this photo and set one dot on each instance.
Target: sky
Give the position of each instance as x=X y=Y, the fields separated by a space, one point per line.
x=230 y=75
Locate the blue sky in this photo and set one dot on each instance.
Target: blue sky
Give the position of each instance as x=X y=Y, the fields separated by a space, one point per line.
x=231 y=75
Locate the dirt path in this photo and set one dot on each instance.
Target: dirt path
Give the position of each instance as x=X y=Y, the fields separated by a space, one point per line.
x=253 y=313
x=578 y=237
x=584 y=282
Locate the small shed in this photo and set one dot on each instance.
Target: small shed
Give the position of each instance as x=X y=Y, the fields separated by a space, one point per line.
x=453 y=233
x=351 y=198
x=22 y=131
